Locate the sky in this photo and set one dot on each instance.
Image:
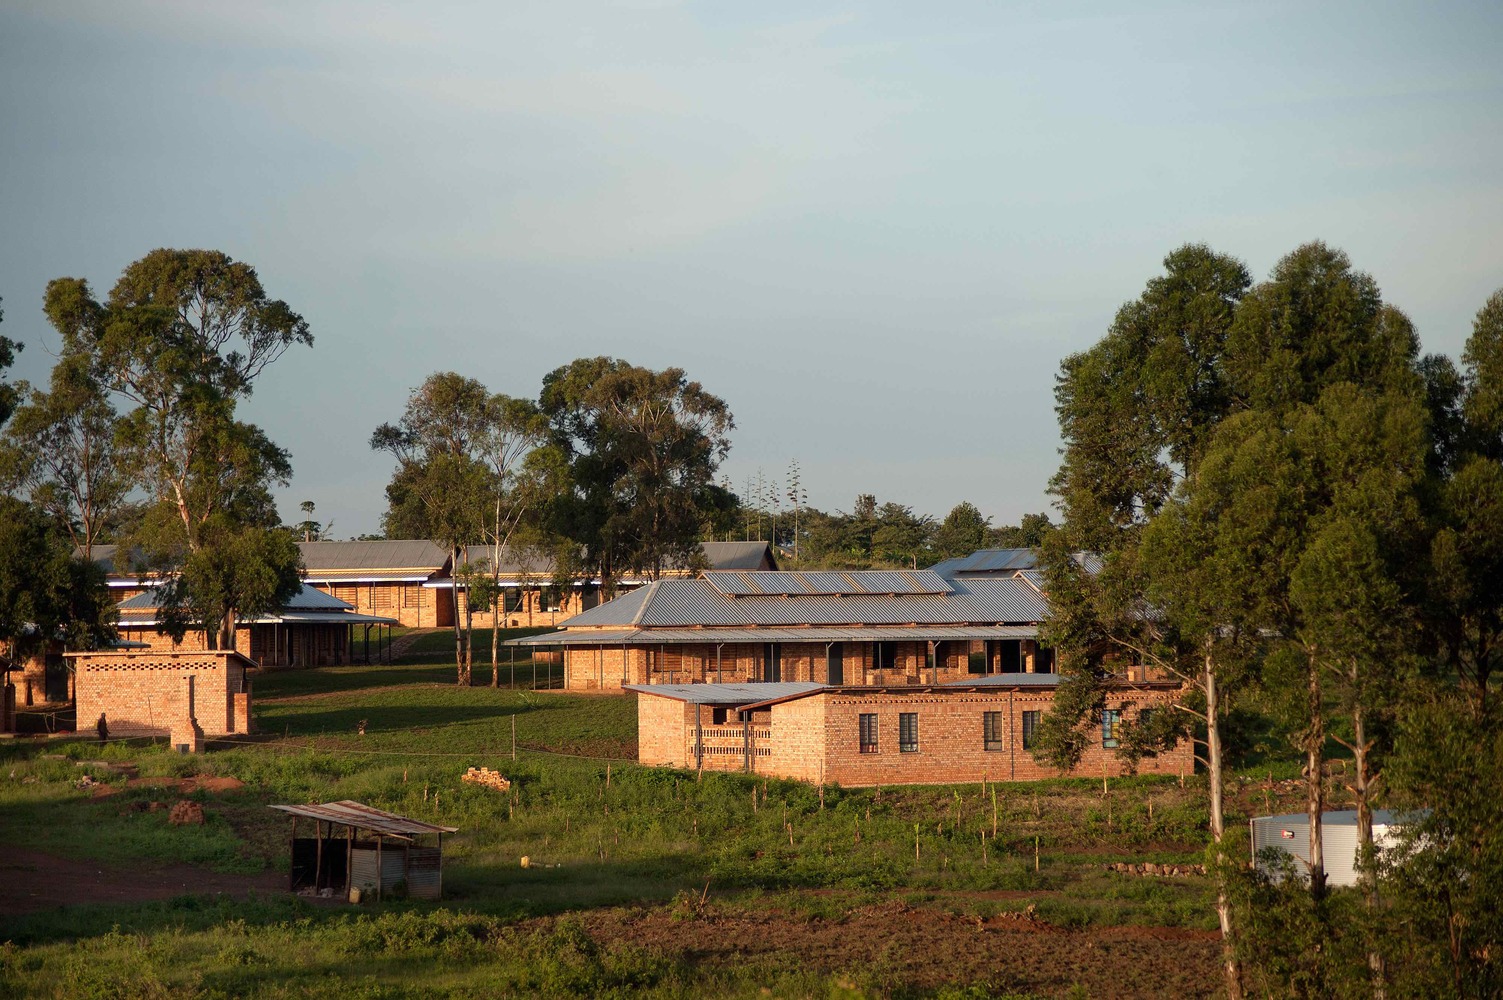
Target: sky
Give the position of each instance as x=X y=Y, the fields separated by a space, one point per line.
x=874 y=229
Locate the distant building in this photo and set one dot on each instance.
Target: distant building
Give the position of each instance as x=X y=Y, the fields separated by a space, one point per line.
x=840 y=628
x=311 y=630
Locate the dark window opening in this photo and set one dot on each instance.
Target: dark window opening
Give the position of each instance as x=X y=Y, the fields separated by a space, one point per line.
x=976 y=661
x=1030 y=730
x=991 y=731
x=868 y=726
x=719 y=716
x=835 y=664
x=1043 y=660
x=1010 y=656
x=773 y=666
x=908 y=732
x=886 y=655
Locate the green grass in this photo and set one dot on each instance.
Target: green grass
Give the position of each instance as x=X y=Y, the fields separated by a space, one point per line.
x=599 y=830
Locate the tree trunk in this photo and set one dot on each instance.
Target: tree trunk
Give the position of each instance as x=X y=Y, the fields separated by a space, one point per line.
x=463 y=680
x=498 y=600
x=1315 y=740
x=1231 y=968
x=1363 y=790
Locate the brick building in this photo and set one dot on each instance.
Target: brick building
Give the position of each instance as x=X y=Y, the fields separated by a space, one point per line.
x=970 y=731
x=837 y=628
x=184 y=695
x=413 y=580
x=312 y=630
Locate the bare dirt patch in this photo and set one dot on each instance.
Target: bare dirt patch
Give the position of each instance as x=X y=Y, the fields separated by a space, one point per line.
x=35 y=880
x=182 y=786
x=926 y=948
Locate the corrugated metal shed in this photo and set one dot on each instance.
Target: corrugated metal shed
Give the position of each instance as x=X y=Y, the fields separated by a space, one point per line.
x=725 y=694
x=1290 y=834
x=363 y=817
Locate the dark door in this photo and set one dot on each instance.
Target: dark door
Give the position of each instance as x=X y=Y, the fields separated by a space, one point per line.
x=55 y=678
x=835 y=663
x=773 y=669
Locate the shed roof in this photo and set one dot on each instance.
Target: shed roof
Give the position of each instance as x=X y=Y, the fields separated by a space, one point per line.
x=738 y=555
x=364 y=817
x=685 y=602
x=306 y=599
x=309 y=606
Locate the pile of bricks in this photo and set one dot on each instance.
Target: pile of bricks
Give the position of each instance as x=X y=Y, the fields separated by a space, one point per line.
x=1149 y=868
x=490 y=779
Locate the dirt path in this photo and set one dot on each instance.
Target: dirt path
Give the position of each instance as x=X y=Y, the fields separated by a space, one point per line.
x=35 y=880
x=402 y=643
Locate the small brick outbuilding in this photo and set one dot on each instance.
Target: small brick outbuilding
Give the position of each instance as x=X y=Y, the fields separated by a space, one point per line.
x=164 y=693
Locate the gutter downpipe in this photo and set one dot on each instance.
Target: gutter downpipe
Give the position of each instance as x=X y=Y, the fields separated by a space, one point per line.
x=1012 y=744
x=719 y=677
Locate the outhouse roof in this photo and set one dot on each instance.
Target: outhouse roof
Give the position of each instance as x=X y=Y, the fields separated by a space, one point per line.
x=364 y=817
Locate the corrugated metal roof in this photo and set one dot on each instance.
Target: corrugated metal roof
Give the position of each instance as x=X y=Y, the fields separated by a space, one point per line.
x=738 y=555
x=306 y=599
x=364 y=817
x=388 y=554
x=682 y=602
x=815 y=633
x=726 y=694
x=1005 y=562
x=746 y=583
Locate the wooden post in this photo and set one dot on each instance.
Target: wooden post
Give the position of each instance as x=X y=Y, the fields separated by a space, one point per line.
x=513 y=735
x=292 y=854
x=318 y=857
x=380 y=871
x=349 y=860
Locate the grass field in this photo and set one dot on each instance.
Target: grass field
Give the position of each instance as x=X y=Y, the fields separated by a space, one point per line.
x=643 y=881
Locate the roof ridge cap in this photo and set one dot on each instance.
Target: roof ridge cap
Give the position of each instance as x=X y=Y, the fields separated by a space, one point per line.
x=652 y=589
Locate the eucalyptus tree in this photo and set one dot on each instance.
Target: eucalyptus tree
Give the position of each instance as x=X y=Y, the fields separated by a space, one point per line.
x=60 y=451
x=182 y=339
x=1136 y=413
x=441 y=485
x=642 y=448
x=8 y=349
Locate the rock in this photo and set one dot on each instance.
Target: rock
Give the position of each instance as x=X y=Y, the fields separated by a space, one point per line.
x=186 y=812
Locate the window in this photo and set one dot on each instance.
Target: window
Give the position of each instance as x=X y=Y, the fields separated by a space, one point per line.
x=975 y=662
x=835 y=664
x=868 y=732
x=991 y=730
x=1111 y=718
x=511 y=599
x=908 y=732
x=772 y=663
x=551 y=599
x=1030 y=730
x=886 y=655
x=718 y=716
x=409 y=595
x=1010 y=656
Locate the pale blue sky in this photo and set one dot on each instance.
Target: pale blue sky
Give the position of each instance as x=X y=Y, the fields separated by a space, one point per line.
x=874 y=229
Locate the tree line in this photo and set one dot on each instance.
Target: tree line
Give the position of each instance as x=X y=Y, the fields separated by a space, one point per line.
x=1301 y=518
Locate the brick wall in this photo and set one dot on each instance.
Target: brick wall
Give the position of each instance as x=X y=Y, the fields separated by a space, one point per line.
x=661 y=725
x=141 y=693
x=816 y=738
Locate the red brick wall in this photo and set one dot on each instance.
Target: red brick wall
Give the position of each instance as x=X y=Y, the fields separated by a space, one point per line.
x=817 y=738
x=661 y=727
x=950 y=745
x=140 y=694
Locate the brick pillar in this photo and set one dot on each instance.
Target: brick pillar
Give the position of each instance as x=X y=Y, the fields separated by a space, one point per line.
x=185 y=728
x=242 y=704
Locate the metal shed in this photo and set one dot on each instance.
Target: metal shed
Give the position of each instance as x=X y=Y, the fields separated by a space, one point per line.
x=378 y=851
x=1290 y=834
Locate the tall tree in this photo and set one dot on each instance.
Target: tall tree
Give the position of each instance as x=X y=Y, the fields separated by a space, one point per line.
x=60 y=451
x=8 y=349
x=642 y=448
x=964 y=530
x=442 y=486
x=182 y=338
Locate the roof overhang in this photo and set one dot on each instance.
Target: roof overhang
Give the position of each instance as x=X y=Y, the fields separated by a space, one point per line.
x=775 y=633
x=364 y=817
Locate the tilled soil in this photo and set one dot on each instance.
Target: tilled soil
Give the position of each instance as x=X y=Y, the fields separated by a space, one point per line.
x=926 y=948
x=35 y=880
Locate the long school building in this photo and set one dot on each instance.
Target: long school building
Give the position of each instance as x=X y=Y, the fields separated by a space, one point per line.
x=901 y=735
